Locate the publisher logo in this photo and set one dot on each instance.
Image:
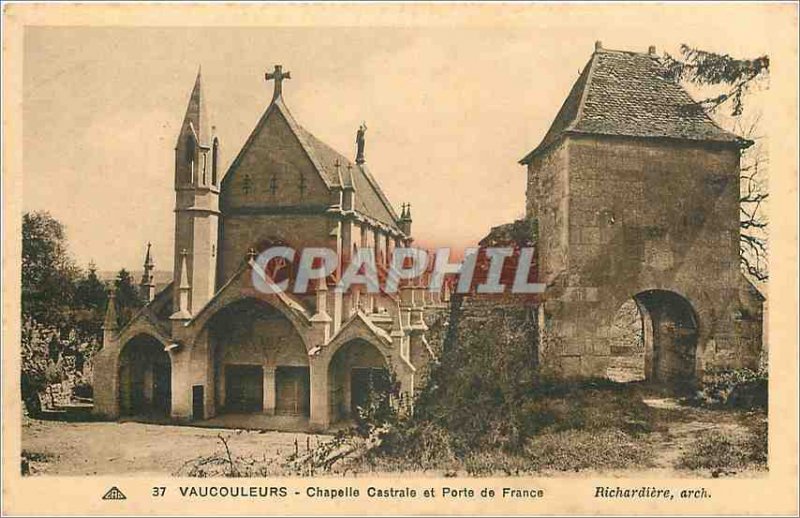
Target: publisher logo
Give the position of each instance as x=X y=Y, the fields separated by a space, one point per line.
x=114 y=494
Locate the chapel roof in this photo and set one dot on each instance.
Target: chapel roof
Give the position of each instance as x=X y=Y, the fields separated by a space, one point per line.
x=370 y=198
x=622 y=93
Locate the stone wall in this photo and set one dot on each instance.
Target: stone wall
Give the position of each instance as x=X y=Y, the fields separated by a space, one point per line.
x=640 y=215
x=548 y=203
x=511 y=319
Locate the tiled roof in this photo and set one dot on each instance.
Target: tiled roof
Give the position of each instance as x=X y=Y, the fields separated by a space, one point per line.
x=370 y=199
x=630 y=94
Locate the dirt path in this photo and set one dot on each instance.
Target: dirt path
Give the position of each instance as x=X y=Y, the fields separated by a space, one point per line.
x=101 y=448
x=91 y=448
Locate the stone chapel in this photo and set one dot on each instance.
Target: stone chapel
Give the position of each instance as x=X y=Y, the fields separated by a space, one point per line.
x=211 y=346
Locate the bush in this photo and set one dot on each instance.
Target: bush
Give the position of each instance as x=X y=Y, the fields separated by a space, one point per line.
x=562 y=426
x=737 y=388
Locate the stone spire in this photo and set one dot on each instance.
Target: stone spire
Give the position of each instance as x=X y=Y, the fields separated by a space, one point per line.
x=349 y=188
x=405 y=219
x=338 y=188
x=147 y=286
x=110 y=326
x=184 y=288
x=196 y=115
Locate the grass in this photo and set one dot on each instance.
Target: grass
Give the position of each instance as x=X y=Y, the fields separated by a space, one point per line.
x=557 y=427
x=570 y=450
x=29 y=460
x=723 y=453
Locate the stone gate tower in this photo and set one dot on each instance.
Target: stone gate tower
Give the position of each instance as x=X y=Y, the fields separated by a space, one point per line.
x=636 y=194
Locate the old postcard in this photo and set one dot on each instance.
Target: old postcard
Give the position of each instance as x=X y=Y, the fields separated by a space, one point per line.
x=403 y=259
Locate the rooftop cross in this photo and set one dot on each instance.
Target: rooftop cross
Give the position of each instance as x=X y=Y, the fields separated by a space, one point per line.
x=278 y=75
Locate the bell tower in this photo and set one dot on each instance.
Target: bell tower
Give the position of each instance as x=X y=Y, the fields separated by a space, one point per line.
x=196 y=208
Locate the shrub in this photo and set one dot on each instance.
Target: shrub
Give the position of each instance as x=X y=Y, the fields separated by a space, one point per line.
x=739 y=388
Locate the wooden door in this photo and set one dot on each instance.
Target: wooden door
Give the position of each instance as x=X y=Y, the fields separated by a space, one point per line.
x=244 y=388
x=292 y=390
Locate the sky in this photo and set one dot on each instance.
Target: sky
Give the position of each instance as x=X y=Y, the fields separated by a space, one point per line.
x=450 y=110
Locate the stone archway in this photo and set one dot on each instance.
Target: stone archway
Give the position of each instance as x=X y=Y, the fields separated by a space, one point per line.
x=259 y=362
x=628 y=349
x=357 y=373
x=145 y=378
x=654 y=337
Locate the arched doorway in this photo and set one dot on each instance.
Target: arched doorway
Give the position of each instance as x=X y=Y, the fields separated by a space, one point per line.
x=260 y=362
x=654 y=337
x=145 y=378
x=358 y=375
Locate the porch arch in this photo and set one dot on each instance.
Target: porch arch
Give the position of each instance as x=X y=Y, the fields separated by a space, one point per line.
x=254 y=359
x=358 y=371
x=144 y=377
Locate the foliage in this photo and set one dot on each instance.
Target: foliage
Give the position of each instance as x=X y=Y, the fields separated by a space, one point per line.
x=742 y=388
x=710 y=68
x=35 y=363
x=127 y=296
x=569 y=450
x=48 y=273
x=725 y=453
x=62 y=309
x=484 y=406
x=737 y=77
x=377 y=409
x=485 y=374
x=90 y=292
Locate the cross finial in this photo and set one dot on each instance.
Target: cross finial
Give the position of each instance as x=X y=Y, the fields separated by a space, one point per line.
x=278 y=75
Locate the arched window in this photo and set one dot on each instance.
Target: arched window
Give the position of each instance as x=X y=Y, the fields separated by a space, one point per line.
x=190 y=152
x=214 y=161
x=205 y=165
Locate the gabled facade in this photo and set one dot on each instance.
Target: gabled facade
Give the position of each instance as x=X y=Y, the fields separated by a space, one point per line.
x=210 y=345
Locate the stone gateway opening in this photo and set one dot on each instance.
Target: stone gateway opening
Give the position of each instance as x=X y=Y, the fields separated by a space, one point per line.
x=357 y=371
x=654 y=337
x=145 y=378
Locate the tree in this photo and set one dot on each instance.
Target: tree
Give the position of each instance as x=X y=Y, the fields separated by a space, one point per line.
x=62 y=309
x=90 y=292
x=734 y=79
x=48 y=273
x=90 y=306
x=128 y=299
